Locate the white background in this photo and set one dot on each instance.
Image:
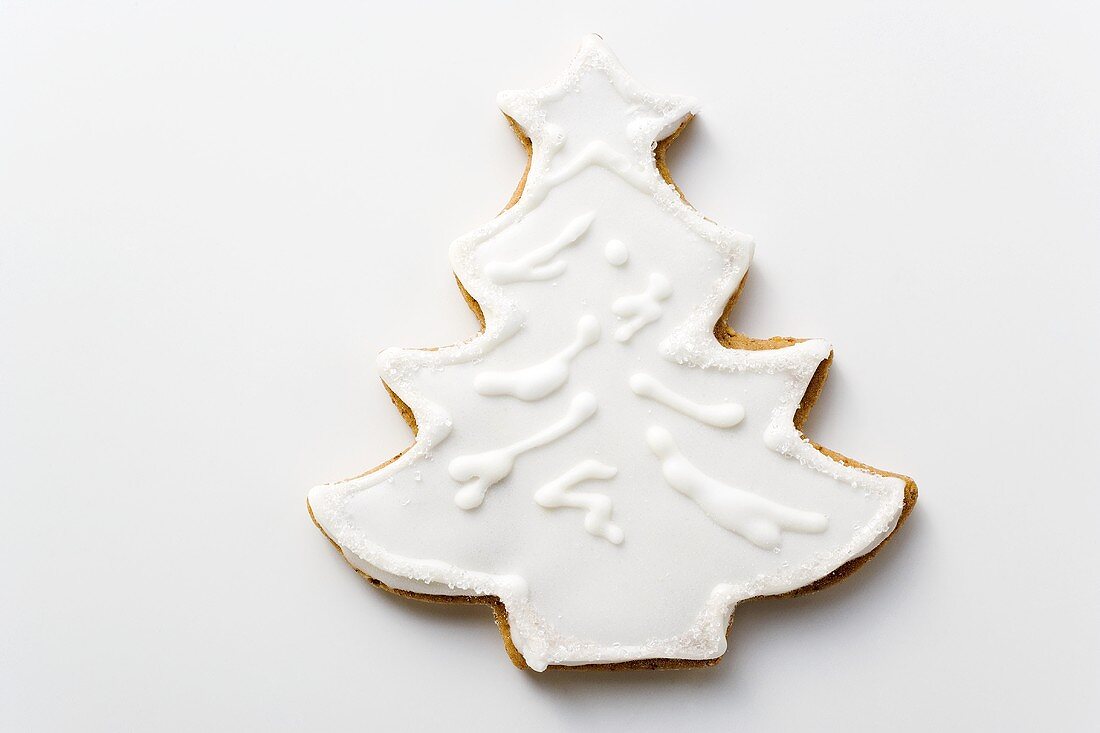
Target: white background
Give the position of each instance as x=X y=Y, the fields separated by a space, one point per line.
x=212 y=215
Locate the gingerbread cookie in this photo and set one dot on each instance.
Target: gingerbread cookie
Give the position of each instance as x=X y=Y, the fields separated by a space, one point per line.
x=603 y=464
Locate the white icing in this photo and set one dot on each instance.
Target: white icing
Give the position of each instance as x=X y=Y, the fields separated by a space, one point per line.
x=539 y=264
x=598 y=153
x=481 y=470
x=643 y=308
x=669 y=591
x=538 y=381
x=721 y=415
x=616 y=253
x=598 y=518
x=758 y=520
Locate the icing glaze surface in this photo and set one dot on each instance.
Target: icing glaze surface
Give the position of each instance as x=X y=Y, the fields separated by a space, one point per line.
x=768 y=513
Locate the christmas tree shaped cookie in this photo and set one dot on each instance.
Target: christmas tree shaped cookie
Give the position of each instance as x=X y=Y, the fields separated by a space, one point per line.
x=604 y=465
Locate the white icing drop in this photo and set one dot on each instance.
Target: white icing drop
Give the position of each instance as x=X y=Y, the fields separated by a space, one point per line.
x=537 y=264
x=759 y=520
x=479 y=471
x=540 y=380
x=616 y=253
x=719 y=415
x=643 y=308
x=598 y=518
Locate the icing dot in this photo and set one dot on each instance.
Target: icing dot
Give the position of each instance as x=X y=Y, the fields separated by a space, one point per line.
x=616 y=253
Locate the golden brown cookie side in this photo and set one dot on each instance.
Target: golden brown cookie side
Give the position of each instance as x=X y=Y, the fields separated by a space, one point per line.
x=525 y=141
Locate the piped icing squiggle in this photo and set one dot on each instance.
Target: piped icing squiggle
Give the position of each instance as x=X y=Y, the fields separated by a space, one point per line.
x=540 y=264
x=481 y=470
x=759 y=520
x=544 y=378
x=558 y=493
x=721 y=415
x=643 y=308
